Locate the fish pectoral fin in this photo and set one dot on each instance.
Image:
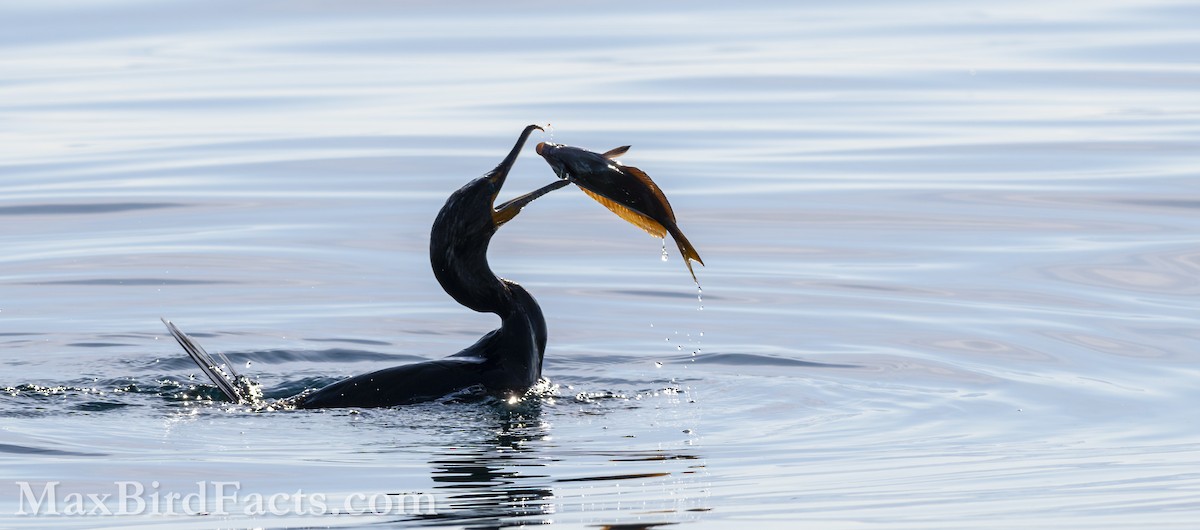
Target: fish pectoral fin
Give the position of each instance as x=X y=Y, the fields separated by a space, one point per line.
x=615 y=152
x=635 y=218
x=650 y=185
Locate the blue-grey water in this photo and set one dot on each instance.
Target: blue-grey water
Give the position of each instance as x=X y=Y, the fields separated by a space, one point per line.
x=953 y=259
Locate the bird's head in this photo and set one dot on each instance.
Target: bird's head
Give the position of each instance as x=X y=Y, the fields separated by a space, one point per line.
x=474 y=205
x=464 y=228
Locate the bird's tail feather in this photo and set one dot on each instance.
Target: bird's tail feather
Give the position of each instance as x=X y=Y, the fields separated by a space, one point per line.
x=221 y=375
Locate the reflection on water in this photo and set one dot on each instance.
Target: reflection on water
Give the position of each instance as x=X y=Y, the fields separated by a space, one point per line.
x=519 y=475
x=495 y=482
x=952 y=256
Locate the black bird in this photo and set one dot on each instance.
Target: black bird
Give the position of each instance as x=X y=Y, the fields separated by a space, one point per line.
x=504 y=362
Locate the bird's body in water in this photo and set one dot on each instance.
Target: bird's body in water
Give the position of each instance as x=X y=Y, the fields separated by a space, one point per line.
x=625 y=190
x=506 y=361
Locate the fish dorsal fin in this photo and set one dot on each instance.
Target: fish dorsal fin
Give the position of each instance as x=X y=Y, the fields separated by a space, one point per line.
x=615 y=152
x=639 y=220
x=650 y=185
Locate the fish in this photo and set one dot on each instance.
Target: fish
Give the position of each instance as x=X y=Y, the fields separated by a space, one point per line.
x=625 y=190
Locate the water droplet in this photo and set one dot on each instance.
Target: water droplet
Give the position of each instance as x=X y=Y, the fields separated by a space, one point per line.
x=664 y=249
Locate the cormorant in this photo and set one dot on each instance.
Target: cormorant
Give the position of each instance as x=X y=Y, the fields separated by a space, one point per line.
x=506 y=361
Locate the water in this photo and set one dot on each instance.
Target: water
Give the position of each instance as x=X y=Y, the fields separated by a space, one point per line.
x=952 y=260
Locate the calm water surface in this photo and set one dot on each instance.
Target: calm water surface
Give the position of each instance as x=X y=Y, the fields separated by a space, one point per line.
x=953 y=259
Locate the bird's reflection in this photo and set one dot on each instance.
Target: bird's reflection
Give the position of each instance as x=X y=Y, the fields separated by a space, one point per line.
x=496 y=465
x=493 y=482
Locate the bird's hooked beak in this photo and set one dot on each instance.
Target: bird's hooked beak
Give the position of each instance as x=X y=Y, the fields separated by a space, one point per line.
x=507 y=211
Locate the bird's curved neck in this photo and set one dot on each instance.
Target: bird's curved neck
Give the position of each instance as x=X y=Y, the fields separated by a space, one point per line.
x=519 y=344
x=461 y=267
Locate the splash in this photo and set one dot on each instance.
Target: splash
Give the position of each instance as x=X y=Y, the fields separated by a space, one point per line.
x=251 y=390
x=543 y=389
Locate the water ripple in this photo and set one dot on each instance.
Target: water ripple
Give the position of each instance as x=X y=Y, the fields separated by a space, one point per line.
x=952 y=257
x=84 y=209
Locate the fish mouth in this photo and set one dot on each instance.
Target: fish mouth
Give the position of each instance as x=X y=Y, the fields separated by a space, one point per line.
x=548 y=151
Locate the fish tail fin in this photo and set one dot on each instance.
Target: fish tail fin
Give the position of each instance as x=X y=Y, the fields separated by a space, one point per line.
x=686 y=250
x=221 y=375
